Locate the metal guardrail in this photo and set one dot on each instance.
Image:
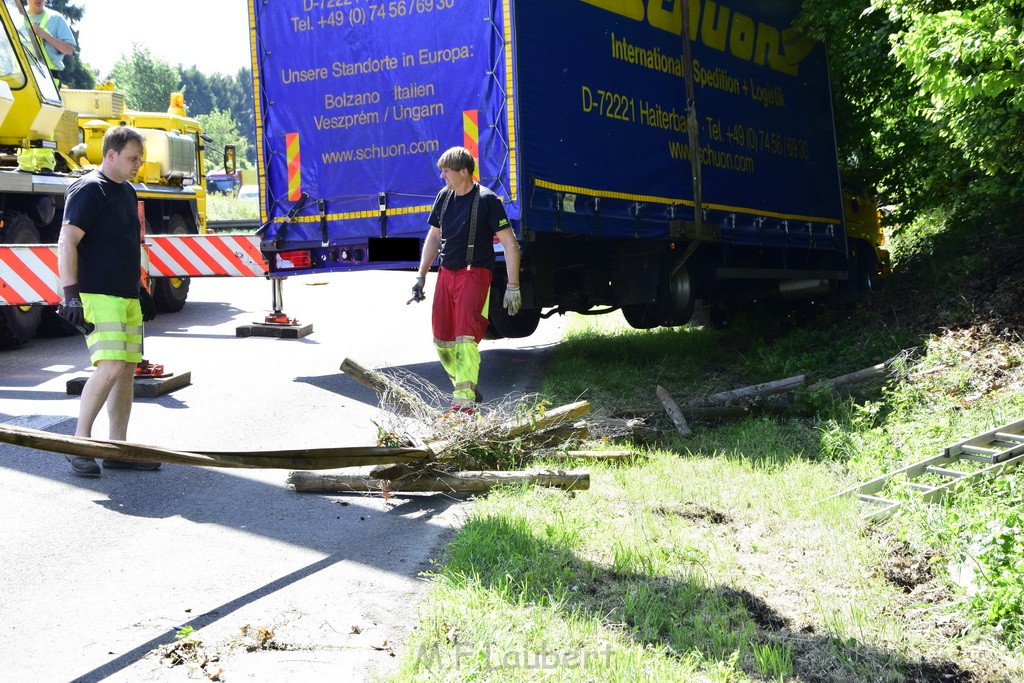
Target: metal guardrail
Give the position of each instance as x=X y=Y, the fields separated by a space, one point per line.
x=239 y=225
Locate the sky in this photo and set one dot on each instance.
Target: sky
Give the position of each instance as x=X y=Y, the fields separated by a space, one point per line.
x=212 y=35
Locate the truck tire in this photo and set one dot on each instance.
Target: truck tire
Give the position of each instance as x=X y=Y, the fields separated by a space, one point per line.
x=862 y=267
x=641 y=316
x=18 y=324
x=170 y=293
x=674 y=305
x=503 y=325
x=523 y=324
x=676 y=300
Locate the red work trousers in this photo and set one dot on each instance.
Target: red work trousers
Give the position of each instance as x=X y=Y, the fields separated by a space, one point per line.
x=459 y=319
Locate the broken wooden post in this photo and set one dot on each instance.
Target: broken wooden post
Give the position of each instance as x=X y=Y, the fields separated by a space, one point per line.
x=384 y=387
x=437 y=482
x=673 y=410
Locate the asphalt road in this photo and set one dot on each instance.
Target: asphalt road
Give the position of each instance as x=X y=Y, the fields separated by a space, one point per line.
x=98 y=575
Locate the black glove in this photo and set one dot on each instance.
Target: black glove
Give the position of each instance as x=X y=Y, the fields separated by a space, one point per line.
x=417 y=290
x=71 y=308
x=147 y=304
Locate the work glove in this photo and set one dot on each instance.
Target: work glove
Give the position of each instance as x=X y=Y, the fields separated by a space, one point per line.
x=417 y=290
x=147 y=305
x=71 y=308
x=513 y=300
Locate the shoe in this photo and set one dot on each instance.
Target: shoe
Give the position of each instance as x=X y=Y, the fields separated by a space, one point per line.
x=130 y=465
x=83 y=467
x=478 y=397
x=467 y=409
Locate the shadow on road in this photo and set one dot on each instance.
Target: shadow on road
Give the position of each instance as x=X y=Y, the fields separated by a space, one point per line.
x=338 y=526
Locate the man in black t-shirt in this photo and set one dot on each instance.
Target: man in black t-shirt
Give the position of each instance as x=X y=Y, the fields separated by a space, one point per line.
x=463 y=223
x=99 y=259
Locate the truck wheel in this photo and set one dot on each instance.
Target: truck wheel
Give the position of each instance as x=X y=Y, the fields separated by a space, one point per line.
x=862 y=267
x=170 y=293
x=676 y=299
x=503 y=325
x=523 y=324
x=673 y=307
x=641 y=316
x=18 y=324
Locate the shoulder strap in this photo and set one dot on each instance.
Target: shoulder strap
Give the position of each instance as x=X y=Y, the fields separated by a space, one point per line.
x=472 y=226
x=444 y=207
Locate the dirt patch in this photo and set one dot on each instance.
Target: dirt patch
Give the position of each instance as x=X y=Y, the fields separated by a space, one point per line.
x=693 y=511
x=903 y=568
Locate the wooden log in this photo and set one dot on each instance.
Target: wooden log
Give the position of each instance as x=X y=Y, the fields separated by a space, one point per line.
x=309 y=458
x=752 y=391
x=625 y=425
x=875 y=372
x=560 y=434
x=439 y=482
x=590 y=455
x=383 y=386
x=718 y=412
x=673 y=410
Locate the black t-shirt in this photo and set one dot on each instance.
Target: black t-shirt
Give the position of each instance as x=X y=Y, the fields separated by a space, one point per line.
x=454 y=225
x=109 y=259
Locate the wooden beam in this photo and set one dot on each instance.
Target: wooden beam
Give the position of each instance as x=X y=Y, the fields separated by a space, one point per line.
x=754 y=390
x=880 y=371
x=590 y=455
x=307 y=458
x=439 y=482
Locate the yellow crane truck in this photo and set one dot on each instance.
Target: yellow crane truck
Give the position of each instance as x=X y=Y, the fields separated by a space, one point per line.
x=34 y=113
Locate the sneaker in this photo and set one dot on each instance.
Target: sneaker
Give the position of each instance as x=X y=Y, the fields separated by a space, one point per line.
x=83 y=467
x=109 y=464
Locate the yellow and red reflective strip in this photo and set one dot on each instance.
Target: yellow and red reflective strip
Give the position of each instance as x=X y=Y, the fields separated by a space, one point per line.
x=471 y=137
x=294 y=166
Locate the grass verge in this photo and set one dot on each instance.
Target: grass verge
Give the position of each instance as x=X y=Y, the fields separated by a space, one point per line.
x=710 y=558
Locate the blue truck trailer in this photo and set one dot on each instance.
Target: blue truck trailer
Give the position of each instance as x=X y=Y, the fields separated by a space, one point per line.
x=650 y=153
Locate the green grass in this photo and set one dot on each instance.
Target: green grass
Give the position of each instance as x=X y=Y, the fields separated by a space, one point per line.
x=713 y=558
x=220 y=207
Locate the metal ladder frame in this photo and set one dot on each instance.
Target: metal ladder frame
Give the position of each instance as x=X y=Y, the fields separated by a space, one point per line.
x=982 y=448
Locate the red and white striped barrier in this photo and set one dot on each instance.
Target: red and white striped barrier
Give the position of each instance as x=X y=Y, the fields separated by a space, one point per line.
x=205 y=256
x=28 y=273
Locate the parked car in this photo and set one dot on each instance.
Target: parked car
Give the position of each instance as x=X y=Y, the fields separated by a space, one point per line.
x=249 y=192
x=221 y=183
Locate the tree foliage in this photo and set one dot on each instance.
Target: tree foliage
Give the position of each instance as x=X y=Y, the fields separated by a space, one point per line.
x=929 y=101
x=223 y=102
x=146 y=81
x=223 y=129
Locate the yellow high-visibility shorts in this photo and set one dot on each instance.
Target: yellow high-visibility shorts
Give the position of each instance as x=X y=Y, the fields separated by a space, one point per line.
x=117 y=334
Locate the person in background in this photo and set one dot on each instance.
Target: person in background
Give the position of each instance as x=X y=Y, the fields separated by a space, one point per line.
x=54 y=33
x=463 y=223
x=99 y=261
x=57 y=41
